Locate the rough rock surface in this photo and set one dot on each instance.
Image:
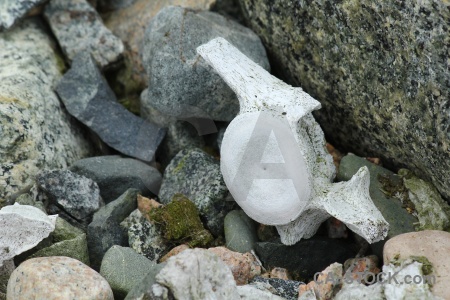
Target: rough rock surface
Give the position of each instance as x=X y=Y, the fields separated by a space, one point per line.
x=168 y=51
x=144 y=289
x=379 y=69
x=57 y=278
x=129 y=23
x=13 y=10
x=105 y=230
x=88 y=97
x=249 y=292
x=115 y=174
x=431 y=244
x=76 y=195
x=21 y=228
x=288 y=289
x=36 y=132
x=197 y=175
x=144 y=237
x=79 y=28
x=198 y=274
x=123 y=268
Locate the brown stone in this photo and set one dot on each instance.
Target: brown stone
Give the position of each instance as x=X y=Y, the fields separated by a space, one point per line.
x=145 y=205
x=355 y=267
x=178 y=249
x=243 y=266
x=326 y=285
x=280 y=273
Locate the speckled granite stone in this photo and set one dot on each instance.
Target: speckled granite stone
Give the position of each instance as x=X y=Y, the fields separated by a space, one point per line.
x=129 y=23
x=36 y=132
x=181 y=83
x=78 y=27
x=13 y=10
x=197 y=175
x=57 y=277
x=379 y=68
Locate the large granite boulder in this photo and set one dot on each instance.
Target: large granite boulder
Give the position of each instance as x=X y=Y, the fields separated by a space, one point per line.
x=36 y=131
x=380 y=70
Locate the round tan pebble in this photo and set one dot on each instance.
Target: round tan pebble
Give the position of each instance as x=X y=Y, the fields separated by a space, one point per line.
x=56 y=277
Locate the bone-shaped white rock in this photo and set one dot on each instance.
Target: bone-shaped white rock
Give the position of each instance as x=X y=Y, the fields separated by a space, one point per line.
x=21 y=228
x=273 y=156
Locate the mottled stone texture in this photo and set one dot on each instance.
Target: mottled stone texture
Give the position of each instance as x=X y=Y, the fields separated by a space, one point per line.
x=35 y=130
x=380 y=70
x=13 y=10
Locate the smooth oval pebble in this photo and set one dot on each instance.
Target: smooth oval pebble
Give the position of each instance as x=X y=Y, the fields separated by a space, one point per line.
x=56 y=277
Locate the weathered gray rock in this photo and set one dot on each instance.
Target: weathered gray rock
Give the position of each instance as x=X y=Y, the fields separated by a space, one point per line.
x=22 y=227
x=115 y=174
x=197 y=175
x=123 y=268
x=144 y=237
x=5 y=272
x=13 y=10
x=432 y=211
x=250 y=292
x=79 y=28
x=181 y=84
x=36 y=132
x=383 y=191
x=76 y=195
x=198 y=274
x=129 y=23
x=88 y=97
x=57 y=277
x=380 y=71
x=240 y=231
x=144 y=289
x=105 y=230
x=66 y=240
x=288 y=289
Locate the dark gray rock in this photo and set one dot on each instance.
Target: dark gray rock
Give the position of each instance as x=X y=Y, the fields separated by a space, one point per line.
x=5 y=272
x=123 y=268
x=105 y=230
x=145 y=237
x=197 y=175
x=108 y=5
x=76 y=195
x=380 y=70
x=287 y=289
x=115 y=174
x=381 y=179
x=181 y=84
x=13 y=10
x=88 y=97
x=143 y=290
x=306 y=257
x=240 y=231
x=79 y=28
x=36 y=131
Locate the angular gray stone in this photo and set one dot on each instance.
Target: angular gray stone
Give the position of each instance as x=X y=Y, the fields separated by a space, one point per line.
x=5 y=272
x=144 y=290
x=105 y=230
x=36 y=132
x=115 y=174
x=287 y=289
x=88 y=97
x=380 y=70
x=240 y=231
x=79 y=28
x=68 y=241
x=13 y=10
x=123 y=268
x=181 y=84
x=400 y=221
x=249 y=292
x=144 y=237
x=76 y=195
x=198 y=274
x=197 y=175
